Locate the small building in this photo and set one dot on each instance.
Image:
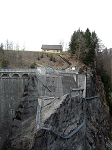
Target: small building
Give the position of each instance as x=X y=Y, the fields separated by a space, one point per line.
x=52 y=48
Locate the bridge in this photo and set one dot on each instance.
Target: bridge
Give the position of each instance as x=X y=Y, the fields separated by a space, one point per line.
x=24 y=73
x=17 y=73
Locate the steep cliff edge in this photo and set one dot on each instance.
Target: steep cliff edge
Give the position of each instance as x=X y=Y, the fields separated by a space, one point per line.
x=70 y=122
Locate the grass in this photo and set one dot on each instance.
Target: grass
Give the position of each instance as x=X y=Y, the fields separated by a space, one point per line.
x=24 y=59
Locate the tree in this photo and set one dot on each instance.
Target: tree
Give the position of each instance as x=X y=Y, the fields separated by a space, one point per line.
x=23 y=47
x=92 y=45
x=7 y=44
x=84 y=45
x=11 y=45
x=1 y=50
x=17 y=46
x=73 y=43
x=80 y=46
x=4 y=63
x=62 y=43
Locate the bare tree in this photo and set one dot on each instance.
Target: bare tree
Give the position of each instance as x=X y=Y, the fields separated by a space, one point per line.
x=7 y=44
x=62 y=43
x=17 y=49
x=106 y=60
x=17 y=46
x=11 y=45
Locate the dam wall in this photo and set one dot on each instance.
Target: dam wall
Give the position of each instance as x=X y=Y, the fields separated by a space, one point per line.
x=12 y=94
x=11 y=91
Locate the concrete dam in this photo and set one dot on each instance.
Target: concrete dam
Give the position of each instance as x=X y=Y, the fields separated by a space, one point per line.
x=11 y=91
x=51 y=110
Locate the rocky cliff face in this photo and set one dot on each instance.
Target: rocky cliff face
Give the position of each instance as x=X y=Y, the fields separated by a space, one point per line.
x=70 y=122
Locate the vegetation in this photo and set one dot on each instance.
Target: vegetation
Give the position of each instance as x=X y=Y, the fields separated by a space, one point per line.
x=51 y=58
x=54 y=60
x=1 y=49
x=38 y=58
x=42 y=56
x=4 y=63
x=47 y=55
x=107 y=86
x=33 y=65
x=84 y=45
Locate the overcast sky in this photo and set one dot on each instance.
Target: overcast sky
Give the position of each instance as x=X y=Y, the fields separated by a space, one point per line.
x=37 y=22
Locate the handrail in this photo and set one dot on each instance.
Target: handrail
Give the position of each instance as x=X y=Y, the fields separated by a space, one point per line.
x=66 y=136
x=65 y=60
x=49 y=128
x=18 y=70
x=92 y=97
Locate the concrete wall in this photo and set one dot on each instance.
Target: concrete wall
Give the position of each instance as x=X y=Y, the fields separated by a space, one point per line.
x=53 y=82
x=90 y=120
x=11 y=90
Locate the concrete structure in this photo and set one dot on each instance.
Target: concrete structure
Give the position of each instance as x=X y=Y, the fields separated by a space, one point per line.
x=69 y=122
x=52 y=48
x=17 y=73
x=11 y=91
x=48 y=84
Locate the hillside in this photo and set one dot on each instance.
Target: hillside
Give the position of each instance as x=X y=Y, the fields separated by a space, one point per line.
x=24 y=59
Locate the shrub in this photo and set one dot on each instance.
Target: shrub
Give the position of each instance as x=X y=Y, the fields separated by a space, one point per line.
x=54 y=60
x=4 y=63
x=32 y=65
x=38 y=58
x=42 y=56
x=51 y=58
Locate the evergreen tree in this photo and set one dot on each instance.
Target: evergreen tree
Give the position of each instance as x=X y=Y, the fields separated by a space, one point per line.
x=1 y=50
x=84 y=45
x=4 y=63
x=91 y=44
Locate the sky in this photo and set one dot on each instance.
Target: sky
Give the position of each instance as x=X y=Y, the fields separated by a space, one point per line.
x=31 y=23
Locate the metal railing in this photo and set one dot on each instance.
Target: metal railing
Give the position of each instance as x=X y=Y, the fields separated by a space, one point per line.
x=50 y=128
x=18 y=70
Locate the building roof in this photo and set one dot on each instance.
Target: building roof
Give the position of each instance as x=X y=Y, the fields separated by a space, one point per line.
x=51 y=47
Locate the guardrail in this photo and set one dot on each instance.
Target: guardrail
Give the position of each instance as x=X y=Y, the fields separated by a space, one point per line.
x=18 y=70
x=49 y=128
